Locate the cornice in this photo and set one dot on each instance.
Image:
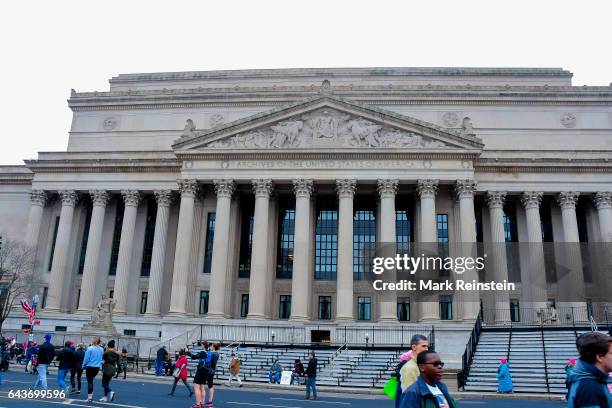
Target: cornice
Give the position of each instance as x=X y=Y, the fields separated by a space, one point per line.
x=326 y=155
x=389 y=94
x=104 y=166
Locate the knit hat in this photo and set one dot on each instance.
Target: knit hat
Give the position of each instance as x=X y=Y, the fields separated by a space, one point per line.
x=572 y=361
x=47 y=337
x=406 y=356
x=504 y=360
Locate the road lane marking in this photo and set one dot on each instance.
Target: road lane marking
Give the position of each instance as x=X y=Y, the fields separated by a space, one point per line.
x=261 y=405
x=73 y=402
x=302 y=399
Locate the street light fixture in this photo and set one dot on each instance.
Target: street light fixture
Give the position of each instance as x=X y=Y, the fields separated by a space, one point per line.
x=272 y=335
x=367 y=338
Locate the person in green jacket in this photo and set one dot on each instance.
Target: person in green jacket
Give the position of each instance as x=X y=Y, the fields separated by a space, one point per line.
x=409 y=372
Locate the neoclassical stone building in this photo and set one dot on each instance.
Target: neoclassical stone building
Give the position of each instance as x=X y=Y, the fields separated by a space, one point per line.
x=258 y=196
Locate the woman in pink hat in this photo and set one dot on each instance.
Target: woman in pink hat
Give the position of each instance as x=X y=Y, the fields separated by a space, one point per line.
x=504 y=379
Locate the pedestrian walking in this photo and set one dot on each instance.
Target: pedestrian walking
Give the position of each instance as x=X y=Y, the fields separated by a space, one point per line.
x=409 y=373
x=311 y=380
x=589 y=379
x=275 y=372
x=122 y=364
x=91 y=364
x=428 y=391
x=77 y=370
x=109 y=368
x=180 y=372
x=46 y=354
x=396 y=377
x=504 y=379
x=159 y=361
x=234 y=370
x=66 y=363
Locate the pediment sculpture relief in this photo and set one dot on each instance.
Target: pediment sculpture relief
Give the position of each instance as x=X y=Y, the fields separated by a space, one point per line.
x=326 y=128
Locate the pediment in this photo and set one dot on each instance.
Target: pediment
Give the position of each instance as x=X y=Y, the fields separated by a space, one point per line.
x=326 y=123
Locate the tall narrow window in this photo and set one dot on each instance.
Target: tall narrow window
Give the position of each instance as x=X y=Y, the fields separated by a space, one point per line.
x=111 y=293
x=547 y=239
x=364 y=239
x=284 y=310
x=244 y=305
x=78 y=298
x=364 y=308
x=57 y=219
x=515 y=310
x=210 y=239
x=511 y=238
x=326 y=240
x=403 y=309
x=403 y=230
x=143 y=302
x=446 y=307
x=116 y=237
x=324 y=307
x=286 y=231
x=246 y=238
x=84 y=239
x=203 y=308
x=442 y=225
x=147 y=250
x=43 y=303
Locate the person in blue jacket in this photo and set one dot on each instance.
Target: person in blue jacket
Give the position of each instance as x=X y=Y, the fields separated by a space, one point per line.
x=504 y=379
x=589 y=380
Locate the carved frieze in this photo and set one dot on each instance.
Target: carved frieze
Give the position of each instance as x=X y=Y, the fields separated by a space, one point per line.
x=326 y=127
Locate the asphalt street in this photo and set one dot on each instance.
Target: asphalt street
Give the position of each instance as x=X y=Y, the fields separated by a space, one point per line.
x=151 y=394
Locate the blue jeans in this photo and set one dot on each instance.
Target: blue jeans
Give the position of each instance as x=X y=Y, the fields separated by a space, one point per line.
x=311 y=382
x=61 y=378
x=42 y=376
x=274 y=377
x=159 y=367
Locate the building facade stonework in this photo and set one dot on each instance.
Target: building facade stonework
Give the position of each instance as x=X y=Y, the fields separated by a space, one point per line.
x=255 y=197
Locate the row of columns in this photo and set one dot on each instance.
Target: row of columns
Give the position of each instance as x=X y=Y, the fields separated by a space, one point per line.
x=303 y=188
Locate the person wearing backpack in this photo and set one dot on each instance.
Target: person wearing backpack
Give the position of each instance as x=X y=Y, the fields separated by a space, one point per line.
x=199 y=379
x=211 y=366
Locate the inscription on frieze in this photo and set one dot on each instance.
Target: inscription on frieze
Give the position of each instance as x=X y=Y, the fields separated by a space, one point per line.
x=320 y=164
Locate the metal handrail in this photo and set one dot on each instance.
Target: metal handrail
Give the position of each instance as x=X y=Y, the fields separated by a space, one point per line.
x=545 y=360
x=468 y=354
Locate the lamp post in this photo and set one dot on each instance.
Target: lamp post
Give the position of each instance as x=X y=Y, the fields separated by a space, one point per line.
x=367 y=338
x=272 y=335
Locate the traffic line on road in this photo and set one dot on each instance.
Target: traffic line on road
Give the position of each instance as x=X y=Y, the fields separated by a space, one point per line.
x=72 y=402
x=252 y=404
x=301 y=399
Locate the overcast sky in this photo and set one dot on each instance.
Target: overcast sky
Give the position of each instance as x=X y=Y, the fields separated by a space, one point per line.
x=49 y=47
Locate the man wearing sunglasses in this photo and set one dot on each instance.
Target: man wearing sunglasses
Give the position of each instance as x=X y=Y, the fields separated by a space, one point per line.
x=428 y=391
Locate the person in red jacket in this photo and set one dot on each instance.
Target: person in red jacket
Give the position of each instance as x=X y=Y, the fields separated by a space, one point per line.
x=182 y=375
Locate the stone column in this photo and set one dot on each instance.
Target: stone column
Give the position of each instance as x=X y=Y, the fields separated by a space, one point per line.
x=603 y=253
x=158 y=257
x=131 y=198
x=182 y=253
x=60 y=257
x=99 y=199
x=388 y=245
x=258 y=290
x=427 y=189
x=498 y=259
x=470 y=301
x=301 y=283
x=603 y=202
x=570 y=278
x=219 y=265
x=344 y=295
x=38 y=198
x=533 y=280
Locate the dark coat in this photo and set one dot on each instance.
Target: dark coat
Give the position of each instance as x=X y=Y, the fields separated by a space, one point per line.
x=66 y=358
x=419 y=396
x=79 y=356
x=311 y=370
x=588 y=387
x=161 y=354
x=110 y=358
x=46 y=353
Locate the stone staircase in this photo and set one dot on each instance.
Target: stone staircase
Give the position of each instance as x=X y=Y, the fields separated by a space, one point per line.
x=537 y=359
x=369 y=368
